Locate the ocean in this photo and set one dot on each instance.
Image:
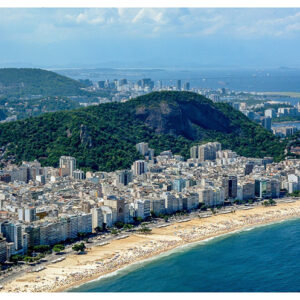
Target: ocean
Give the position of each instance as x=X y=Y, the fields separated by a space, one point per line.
x=262 y=259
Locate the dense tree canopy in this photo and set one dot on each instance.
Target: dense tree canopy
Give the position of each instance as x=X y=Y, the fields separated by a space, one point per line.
x=103 y=137
x=37 y=82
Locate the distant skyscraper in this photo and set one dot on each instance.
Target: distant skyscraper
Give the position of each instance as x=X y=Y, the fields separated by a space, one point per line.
x=215 y=98
x=271 y=113
x=236 y=105
x=250 y=114
x=122 y=82
x=267 y=123
x=101 y=84
x=186 y=86
x=178 y=85
x=160 y=84
x=147 y=82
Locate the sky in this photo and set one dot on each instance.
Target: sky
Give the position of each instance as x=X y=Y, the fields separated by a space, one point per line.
x=149 y=37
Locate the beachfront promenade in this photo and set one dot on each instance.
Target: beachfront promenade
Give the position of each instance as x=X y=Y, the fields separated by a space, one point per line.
x=115 y=252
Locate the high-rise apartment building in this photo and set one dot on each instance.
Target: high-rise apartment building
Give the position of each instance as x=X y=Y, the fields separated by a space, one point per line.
x=142 y=148
x=267 y=123
x=3 y=250
x=78 y=174
x=205 y=152
x=208 y=151
x=123 y=177
x=67 y=165
x=194 y=152
x=179 y=184
x=270 y=113
x=229 y=183
x=97 y=218
x=139 y=167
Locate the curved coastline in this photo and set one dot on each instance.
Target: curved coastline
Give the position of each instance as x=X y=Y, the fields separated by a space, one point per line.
x=185 y=247
x=124 y=254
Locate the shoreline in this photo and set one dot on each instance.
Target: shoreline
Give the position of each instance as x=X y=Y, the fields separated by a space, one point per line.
x=174 y=250
x=103 y=261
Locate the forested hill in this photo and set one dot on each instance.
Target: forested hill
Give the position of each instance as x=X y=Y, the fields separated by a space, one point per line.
x=103 y=137
x=27 y=81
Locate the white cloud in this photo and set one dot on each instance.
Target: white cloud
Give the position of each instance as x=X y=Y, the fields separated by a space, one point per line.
x=134 y=22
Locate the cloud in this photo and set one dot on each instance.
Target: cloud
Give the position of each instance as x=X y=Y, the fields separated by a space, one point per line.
x=287 y=26
x=49 y=25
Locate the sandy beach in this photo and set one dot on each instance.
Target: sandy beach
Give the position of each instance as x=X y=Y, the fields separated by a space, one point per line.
x=100 y=260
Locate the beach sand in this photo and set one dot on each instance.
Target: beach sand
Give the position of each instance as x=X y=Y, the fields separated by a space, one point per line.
x=100 y=260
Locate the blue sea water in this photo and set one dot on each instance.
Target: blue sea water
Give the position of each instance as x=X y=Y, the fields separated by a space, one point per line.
x=264 y=259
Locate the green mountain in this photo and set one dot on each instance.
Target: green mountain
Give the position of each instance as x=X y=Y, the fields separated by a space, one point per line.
x=17 y=82
x=103 y=137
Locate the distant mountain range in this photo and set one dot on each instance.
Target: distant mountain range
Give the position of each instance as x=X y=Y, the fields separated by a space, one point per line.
x=103 y=137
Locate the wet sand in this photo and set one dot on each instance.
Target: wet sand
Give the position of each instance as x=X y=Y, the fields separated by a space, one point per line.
x=101 y=260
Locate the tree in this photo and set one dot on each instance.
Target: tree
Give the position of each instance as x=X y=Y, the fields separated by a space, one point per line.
x=119 y=224
x=204 y=207
x=16 y=258
x=145 y=229
x=272 y=202
x=98 y=229
x=41 y=248
x=81 y=235
x=266 y=203
x=58 y=248
x=166 y=218
x=79 y=247
x=153 y=214
x=28 y=259
x=114 y=231
x=128 y=226
x=139 y=219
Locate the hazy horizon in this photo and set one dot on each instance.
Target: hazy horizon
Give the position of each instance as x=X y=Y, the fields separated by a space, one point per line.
x=149 y=37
